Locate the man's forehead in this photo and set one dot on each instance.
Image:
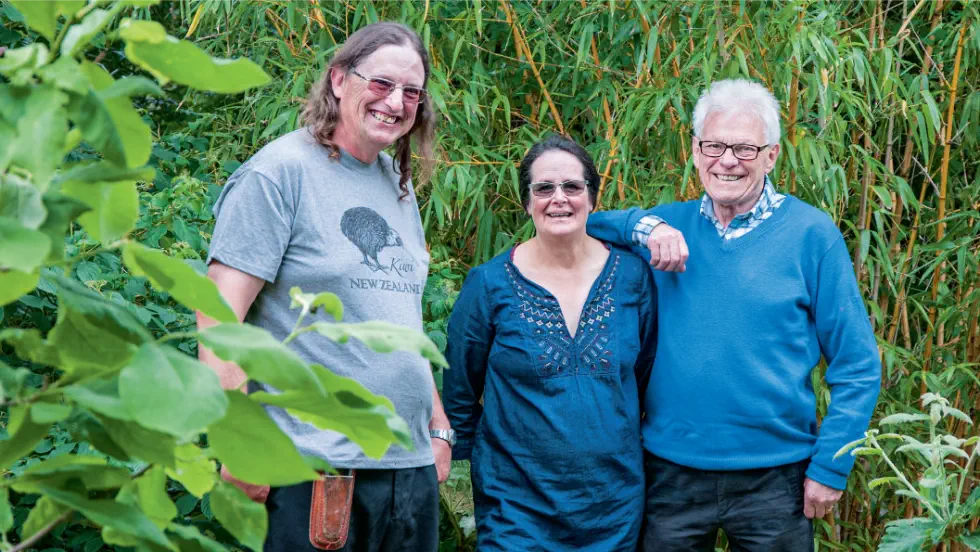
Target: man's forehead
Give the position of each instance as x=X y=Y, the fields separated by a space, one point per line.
x=737 y=127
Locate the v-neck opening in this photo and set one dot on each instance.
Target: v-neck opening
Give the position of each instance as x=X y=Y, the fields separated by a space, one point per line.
x=774 y=221
x=545 y=293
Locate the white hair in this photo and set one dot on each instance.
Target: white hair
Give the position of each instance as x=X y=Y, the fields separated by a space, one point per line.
x=739 y=95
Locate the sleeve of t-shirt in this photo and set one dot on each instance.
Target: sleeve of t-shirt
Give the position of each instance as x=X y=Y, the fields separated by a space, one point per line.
x=253 y=225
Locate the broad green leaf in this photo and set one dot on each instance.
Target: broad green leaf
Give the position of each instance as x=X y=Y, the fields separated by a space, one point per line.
x=909 y=535
x=21 y=249
x=14 y=284
x=24 y=434
x=138 y=442
x=157 y=378
x=883 y=481
x=383 y=337
x=80 y=34
x=66 y=74
x=254 y=448
x=12 y=380
x=970 y=507
x=109 y=513
x=189 y=539
x=260 y=356
x=244 y=518
x=62 y=210
x=6 y=514
x=29 y=345
x=903 y=418
x=49 y=413
x=44 y=512
x=93 y=334
x=102 y=396
x=114 y=208
x=192 y=290
x=8 y=133
x=972 y=540
x=149 y=493
x=195 y=471
x=104 y=172
x=310 y=302
x=128 y=87
x=92 y=472
x=26 y=58
x=348 y=407
x=84 y=427
x=21 y=202
x=41 y=134
x=169 y=59
x=108 y=120
x=43 y=16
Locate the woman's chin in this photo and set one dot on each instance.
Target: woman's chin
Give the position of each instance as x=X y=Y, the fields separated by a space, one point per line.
x=560 y=230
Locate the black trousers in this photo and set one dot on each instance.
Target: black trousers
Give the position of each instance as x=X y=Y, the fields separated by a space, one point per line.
x=760 y=510
x=392 y=510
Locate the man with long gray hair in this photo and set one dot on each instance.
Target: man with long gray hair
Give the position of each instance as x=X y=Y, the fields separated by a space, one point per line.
x=731 y=434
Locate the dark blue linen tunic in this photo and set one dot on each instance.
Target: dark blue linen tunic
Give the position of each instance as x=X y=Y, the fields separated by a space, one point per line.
x=555 y=450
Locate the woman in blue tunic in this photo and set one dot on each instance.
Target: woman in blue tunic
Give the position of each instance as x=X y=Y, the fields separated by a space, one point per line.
x=557 y=336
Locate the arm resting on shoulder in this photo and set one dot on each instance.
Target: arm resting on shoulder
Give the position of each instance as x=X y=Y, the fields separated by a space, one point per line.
x=643 y=232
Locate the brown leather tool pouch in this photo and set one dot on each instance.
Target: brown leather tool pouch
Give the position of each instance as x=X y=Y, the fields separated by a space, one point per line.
x=330 y=510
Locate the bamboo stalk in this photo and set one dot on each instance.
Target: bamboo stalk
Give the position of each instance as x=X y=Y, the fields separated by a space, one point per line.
x=943 y=180
x=794 y=101
x=521 y=43
x=607 y=116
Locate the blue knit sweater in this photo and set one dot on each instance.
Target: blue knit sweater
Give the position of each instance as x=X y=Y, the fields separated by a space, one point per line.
x=741 y=331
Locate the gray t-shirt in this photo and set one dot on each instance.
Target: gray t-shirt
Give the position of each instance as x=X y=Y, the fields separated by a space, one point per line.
x=294 y=217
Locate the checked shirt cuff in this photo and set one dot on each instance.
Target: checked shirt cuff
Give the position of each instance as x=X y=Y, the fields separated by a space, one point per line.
x=643 y=228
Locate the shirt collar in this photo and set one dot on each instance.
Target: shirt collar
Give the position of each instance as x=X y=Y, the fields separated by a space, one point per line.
x=761 y=207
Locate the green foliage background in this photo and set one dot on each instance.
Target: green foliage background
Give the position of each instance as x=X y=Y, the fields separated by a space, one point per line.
x=881 y=118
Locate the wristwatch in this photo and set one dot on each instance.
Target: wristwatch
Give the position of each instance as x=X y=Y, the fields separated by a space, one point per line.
x=446 y=435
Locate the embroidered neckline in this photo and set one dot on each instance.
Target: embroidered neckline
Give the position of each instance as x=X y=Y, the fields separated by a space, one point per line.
x=557 y=349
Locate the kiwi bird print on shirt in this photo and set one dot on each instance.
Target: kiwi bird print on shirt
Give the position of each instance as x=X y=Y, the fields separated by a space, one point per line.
x=370 y=233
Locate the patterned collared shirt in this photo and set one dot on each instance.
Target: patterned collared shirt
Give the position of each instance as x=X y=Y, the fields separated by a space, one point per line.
x=741 y=225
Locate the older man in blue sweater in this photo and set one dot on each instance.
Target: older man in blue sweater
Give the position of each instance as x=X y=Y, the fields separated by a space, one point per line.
x=731 y=434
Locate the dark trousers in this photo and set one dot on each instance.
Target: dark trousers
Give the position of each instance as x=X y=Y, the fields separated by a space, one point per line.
x=392 y=510
x=760 y=510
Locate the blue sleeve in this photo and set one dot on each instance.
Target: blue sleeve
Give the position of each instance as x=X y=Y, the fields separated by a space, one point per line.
x=648 y=334
x=848 y=345
x=616 y=227
x=468 y=347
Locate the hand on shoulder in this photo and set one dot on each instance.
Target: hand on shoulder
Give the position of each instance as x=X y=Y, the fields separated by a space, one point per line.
x=668 y=249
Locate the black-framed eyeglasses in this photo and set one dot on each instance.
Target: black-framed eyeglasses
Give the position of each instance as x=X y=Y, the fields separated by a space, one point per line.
x=384 y=87
x=745 y=152
x=570 y=188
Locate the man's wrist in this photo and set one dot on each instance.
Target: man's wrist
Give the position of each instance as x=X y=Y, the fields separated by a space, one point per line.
x=644 y=227
x=447 y=435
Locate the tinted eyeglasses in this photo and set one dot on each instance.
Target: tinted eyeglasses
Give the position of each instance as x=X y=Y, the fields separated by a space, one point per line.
x=745 y=152
x=384 y=87
x=570 y=188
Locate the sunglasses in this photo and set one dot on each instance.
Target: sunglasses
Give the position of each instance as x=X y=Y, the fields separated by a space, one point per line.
x=384 y=87
x=570 y=188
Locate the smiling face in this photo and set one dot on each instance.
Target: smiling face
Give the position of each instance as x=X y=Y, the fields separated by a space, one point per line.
x=368 y=122
x=734 y=183
x=558 y=215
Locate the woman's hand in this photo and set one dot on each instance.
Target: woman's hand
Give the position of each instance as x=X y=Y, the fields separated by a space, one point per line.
x=258 y=493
